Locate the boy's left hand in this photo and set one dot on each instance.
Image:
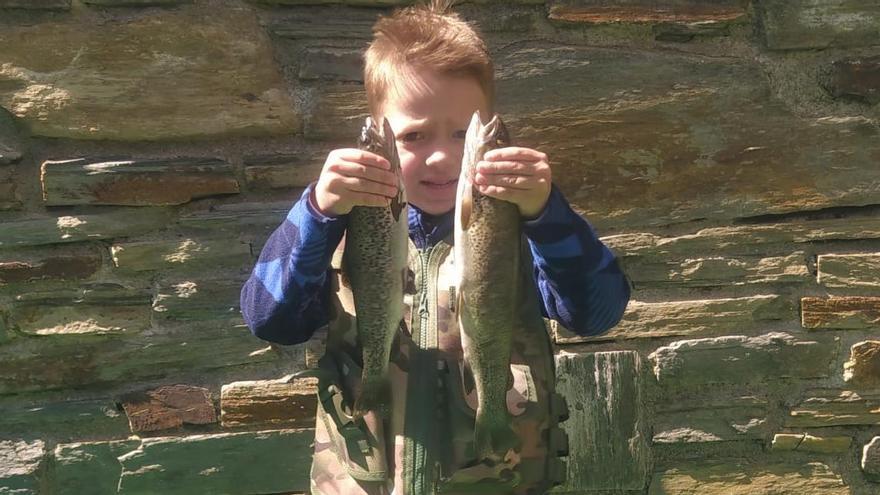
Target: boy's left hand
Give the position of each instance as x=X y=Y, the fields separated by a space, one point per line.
x=519 y=175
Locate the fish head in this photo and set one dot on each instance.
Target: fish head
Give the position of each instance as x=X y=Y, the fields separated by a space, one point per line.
x=479 y=139
x=500 y=133
x=368 y=135
x=375 y=139
x=381 y=141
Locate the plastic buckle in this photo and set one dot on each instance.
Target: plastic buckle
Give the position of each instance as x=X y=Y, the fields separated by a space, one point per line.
x=559 y=441
x=559 y=407
x=557 y=471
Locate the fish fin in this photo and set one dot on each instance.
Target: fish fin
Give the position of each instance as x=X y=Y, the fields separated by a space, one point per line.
x=465 y=194
x=375 y=396
x=502 y=135
x=493 y=436
x=398 y=203
x=466 y=206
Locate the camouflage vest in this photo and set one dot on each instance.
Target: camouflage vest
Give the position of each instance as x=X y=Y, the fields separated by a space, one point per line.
x=425 y=446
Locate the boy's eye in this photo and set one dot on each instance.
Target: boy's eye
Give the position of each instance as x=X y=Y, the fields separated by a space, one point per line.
x=411 y=136
x=459 y=134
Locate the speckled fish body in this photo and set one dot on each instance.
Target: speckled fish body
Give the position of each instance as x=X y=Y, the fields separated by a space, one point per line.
x=487 y=257
x=374 y=260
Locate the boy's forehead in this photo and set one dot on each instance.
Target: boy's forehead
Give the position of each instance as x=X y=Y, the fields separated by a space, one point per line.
x=423 y=95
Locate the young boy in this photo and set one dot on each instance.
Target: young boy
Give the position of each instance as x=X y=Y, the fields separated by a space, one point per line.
x=427 y=71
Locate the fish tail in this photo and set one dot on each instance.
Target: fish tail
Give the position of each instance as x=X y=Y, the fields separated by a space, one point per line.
x=375 y=396
x=493 y=435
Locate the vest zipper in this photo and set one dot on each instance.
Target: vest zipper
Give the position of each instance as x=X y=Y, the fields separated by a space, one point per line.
x=418 y=450
x=424 y=312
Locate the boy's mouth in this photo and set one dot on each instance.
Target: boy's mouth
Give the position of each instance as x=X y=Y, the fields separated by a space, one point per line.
x=440 y=184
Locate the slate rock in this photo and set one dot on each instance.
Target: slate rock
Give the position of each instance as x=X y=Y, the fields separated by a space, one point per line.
x=871 y=460
x=8 y=198
x=91 y=309
x=258 y=462
x=804 y=442
x=168 y=407
x=709 y=421
x=21 y=463
x=288 y=403
x=146 y=77
x=812 y=24
x=35 y=4
x=157 y=182
x=748 y=477
x=861 y=270
x=689 y=318
x=338 y=64
x=64 y=417
x=54 y=263
x=88 y=467
x=11 y=141
x=120 y=222
x=217 y=347
x=742 y=359
x=283 y=171
x=851 y=312
x=855 y=78
x=134 y=3
x=661 y=137
x=831 y=407
x=181 y=255
x=863 y=367
x=607 y=427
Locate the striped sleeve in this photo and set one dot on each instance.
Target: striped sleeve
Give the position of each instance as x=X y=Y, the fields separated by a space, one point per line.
x=287 y=295
x=579 y=279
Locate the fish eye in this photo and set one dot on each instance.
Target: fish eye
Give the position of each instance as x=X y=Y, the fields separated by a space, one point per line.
x=459 y=134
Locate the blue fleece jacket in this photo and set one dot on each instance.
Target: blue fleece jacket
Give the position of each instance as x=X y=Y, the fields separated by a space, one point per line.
x=287 y=296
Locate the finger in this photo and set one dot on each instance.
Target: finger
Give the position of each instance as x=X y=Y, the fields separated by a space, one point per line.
x=500 y=192
x=357 y=185
x=505 y=167
x=358 y=170
x=538 y=171
x=513 y=153
x=521 y=182
x=366 y=199
x=364 y=157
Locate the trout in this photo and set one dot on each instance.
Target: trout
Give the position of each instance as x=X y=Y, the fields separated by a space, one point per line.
x=487 y=260
x=374 y=260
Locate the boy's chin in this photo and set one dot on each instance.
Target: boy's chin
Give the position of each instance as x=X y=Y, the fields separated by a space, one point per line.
x=435 y=208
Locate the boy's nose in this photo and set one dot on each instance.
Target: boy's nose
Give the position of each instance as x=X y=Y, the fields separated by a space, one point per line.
x=437 y=159
x=444 y=156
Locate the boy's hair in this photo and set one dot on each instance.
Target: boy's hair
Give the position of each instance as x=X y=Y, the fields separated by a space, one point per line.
x=426 y=37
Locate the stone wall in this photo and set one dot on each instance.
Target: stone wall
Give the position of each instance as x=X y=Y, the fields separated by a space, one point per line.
x=727 y=150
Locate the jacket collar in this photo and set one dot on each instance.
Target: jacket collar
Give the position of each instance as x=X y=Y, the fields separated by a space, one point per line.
x=427 y=230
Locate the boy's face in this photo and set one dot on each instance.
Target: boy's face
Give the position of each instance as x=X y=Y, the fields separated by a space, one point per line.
x=430 y=124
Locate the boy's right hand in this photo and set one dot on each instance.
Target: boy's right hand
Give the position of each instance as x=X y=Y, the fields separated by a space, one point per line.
x=353 y=177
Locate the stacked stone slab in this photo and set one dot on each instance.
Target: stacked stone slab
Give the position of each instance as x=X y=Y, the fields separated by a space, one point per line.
x=726 y=150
